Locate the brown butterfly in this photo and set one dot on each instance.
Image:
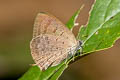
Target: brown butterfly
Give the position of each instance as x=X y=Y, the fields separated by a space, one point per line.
x=52 y=41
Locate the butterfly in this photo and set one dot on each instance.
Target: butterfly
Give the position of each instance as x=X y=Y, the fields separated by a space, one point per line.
x=52 y=41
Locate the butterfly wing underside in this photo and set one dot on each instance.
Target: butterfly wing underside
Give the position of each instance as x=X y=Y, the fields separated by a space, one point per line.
x=48 y=24
x=51 y=42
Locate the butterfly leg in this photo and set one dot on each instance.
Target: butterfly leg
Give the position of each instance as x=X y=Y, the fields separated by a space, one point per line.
x=77 y=51
x=66 y=60
x=71 y=55
x=32 y=64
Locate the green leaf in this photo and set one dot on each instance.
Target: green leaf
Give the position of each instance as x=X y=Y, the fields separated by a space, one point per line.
x=59 y=72
x=50 y=71
x=32 y=74
x=103 y=28
x=81 y=34
x=72 y=21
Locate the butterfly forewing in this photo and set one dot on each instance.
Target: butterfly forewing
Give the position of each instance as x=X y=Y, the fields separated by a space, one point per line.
x=48 y=24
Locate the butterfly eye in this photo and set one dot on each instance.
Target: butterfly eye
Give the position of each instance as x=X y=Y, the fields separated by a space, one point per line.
x=80 y=42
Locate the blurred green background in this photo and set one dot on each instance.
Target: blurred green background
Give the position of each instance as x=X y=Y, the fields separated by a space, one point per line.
x=16 y=25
